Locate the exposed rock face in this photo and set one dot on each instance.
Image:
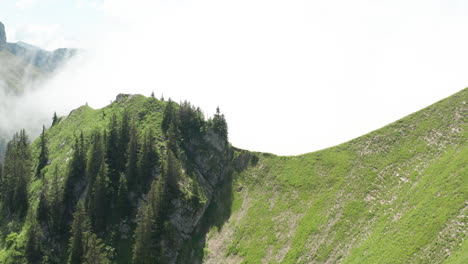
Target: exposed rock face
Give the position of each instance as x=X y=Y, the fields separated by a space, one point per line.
x=211 y=161
x=2 y=34
x=47 y=61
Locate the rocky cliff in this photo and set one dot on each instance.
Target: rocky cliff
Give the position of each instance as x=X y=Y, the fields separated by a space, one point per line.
x=2 y=34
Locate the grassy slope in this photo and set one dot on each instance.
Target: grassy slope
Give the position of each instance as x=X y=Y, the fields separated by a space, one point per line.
x=396 y=195
x=85 y=119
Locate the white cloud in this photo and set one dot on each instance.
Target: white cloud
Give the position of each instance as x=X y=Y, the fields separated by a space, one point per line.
x=46 y=36
x=22 y=4
x=292 y=76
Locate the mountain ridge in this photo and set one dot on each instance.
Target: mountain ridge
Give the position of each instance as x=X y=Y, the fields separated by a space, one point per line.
x=395 y=195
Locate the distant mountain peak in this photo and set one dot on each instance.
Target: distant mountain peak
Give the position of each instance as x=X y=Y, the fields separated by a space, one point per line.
x=2 y=34
x=27 y=46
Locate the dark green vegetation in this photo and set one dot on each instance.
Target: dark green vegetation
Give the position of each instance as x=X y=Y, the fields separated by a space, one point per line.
x=151 y=181
x=113 y=185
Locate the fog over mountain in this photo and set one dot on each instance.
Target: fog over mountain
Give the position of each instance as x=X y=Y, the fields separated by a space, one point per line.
x=24 y=72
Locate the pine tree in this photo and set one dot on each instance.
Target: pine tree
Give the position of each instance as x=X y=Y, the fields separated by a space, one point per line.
x=219 y=124
x=113 y=152
x=55 y=119
x=79 y=228
x=44 y=154
x=43 y=206
x=124 y=139
x=172 y=169
x=132 y=162
x=147 y=247
x=148 y=161
x=16 y=175
x=169 y=115
x=95 y=250
x=123 y=204
x=76 y=174
x=190 y=121
x=99 y=201
x=85 y=246
x=33 y=249
x=55 y=201
x=143 y=248
x=1 y=175
x=96 y=157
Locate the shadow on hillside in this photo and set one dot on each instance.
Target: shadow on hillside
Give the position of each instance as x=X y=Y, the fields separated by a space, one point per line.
x=219 y=210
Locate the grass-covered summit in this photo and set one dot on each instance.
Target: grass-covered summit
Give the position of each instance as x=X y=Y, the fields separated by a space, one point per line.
x=150 y=181
x=396 y=195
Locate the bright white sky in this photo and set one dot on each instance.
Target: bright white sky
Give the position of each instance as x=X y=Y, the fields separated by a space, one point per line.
x=291 y=76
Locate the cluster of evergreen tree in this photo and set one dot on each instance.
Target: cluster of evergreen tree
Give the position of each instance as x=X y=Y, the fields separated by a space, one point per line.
x=15 y=176
x=113 y=175
x=100 y=175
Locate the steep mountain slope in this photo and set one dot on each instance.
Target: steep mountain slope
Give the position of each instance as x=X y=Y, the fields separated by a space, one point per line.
x=396 y=195
x=191 y=157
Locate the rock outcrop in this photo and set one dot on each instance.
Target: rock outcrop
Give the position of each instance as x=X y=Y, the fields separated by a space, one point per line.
x=2 y=34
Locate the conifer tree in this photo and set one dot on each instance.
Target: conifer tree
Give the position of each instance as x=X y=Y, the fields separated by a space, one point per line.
x=124 y=139
x=54 y=119
x=95 y=250
x=123 y=204
x=99 y=201
x=85 y=246
x=173 y=138
x=190 y=121
x=148 y=161
x=219 y=124
x=76 y=173
x=43 y=206
x=132 y=162
x=169 y=115
x=33 y=249
x=113 y=151
x=43 y=155
x=147 y=248
x=95 y=158
x=55 y=196
x=16 y=175
x=79 y=228
x=143 y=248
x=172 y=169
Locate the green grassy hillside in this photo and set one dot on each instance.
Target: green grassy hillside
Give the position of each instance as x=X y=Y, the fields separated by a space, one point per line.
x=396 y=195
